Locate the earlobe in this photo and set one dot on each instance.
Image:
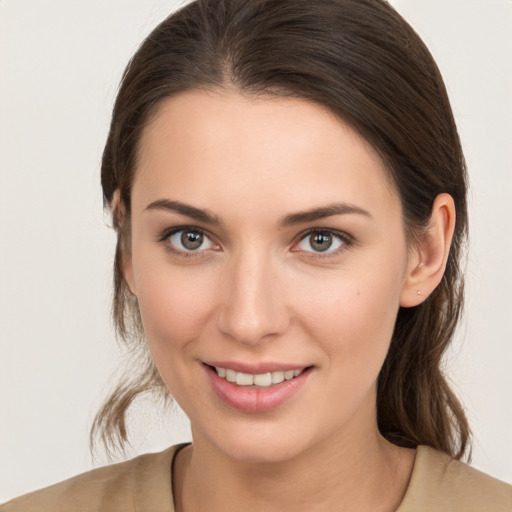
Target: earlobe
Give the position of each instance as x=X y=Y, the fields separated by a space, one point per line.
x=428 y=259
x=122 y=226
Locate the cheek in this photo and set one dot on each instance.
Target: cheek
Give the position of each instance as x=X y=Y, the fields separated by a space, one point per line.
x=175 y=304
x=353 y=320
x=352 y=324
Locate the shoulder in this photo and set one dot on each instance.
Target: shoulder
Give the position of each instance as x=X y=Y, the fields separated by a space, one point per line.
x=142 y=483
x=439 y=482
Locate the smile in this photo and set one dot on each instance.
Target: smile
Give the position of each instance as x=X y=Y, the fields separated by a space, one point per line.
x=263 y=389
x=260 y=380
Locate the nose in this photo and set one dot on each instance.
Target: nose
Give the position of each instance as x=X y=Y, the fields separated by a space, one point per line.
x=253 y=306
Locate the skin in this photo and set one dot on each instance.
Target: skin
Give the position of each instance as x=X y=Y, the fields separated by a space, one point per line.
x=257 y=291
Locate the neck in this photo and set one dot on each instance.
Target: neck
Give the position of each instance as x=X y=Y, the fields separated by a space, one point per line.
x=342 y=473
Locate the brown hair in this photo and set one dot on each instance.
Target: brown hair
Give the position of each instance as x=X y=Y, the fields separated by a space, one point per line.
x=360 y=59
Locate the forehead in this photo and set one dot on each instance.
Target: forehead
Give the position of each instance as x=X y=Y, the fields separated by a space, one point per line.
x=216 y=145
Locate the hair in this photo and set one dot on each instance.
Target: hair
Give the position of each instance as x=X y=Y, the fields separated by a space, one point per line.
x=363 y=62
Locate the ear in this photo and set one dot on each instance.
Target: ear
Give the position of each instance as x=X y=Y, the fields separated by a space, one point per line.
x=428 y=258
x=122 y=225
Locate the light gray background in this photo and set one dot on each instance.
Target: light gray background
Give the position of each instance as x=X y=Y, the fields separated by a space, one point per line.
x=60 y=63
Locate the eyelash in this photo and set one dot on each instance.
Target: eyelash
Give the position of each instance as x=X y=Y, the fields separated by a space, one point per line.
x=346 y=241
x=165 y=236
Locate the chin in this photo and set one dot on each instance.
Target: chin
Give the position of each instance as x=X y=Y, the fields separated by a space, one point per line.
x=261 y=447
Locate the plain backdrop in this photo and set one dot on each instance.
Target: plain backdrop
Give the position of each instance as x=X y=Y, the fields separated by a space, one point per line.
x=60 y=64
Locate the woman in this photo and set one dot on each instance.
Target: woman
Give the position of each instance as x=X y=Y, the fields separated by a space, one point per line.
x=289 y=193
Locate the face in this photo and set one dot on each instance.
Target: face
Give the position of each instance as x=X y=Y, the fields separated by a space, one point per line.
x=268 y=256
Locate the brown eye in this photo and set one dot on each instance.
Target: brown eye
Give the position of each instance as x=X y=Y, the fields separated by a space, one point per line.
x=189 y=240
x=322 y=241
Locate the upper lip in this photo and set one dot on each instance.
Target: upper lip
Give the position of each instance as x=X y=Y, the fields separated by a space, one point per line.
x=255 y=368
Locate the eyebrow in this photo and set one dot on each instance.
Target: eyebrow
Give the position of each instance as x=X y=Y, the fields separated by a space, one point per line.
x=185 y=209
x=292 y=219
x=322 y=213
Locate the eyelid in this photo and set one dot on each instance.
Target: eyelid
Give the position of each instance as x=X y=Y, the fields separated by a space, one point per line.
x=167 y=233
x=347 y=240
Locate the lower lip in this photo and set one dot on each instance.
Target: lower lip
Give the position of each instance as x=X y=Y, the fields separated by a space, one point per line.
x=254 y=400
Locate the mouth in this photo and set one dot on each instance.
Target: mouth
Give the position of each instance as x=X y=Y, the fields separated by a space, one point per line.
x=263 y=389
x=256 y=380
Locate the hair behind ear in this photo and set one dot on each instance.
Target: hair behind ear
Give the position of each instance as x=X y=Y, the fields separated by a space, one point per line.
x=415 y=402
x=141 y=378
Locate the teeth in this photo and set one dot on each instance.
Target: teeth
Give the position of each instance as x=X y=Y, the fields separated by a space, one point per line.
x=277 y=377
x=262 y=380
x=244 y=379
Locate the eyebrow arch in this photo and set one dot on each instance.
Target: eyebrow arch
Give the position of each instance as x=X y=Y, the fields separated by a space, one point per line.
x=322 y=213
x=185 y=209
x=289 y=220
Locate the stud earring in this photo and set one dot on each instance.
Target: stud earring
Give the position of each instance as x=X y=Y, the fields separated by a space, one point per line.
x=418 y=292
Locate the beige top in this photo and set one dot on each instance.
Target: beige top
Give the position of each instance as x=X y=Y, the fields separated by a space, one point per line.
x=143 y=484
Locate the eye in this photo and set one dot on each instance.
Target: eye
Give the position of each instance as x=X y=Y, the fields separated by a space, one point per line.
x=322 y=241
x=187 y=240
